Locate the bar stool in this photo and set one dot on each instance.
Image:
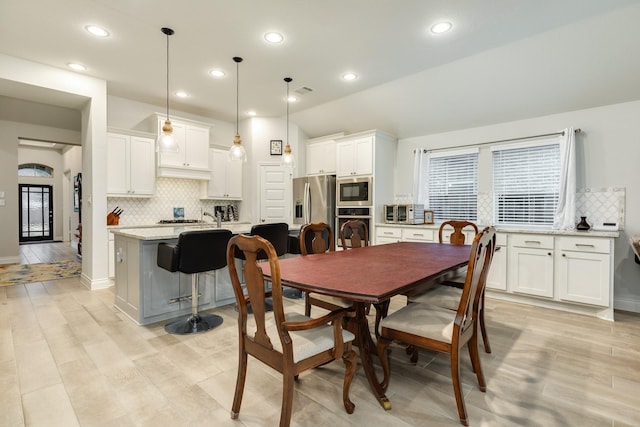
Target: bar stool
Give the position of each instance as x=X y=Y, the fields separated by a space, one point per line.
x=196 y=252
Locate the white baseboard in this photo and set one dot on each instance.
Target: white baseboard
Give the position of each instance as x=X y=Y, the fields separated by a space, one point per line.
x=95 y=284
x=9 y=260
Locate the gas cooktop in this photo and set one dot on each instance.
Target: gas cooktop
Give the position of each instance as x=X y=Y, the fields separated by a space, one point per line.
x=178 y=221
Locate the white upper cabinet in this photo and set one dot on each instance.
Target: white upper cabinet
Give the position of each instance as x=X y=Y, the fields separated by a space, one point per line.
x=321 y=158
x=192 y=158
x=355 y=157
x=225 y=181
x=130 y=165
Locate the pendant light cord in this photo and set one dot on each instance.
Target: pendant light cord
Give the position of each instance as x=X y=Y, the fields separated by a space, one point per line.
x=237 y=93
x=168 y=32
x=237 y=60
x=167 y=76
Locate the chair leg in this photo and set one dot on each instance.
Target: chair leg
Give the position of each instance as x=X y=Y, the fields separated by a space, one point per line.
x=242 y=375
x=349 y=359
x=483 y=328
x=383 y=355
x=287 y=398
x=474 y=353
x=457 y=386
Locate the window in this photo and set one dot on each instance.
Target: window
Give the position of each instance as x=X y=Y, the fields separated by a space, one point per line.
x=453 y=184
x=526 y=182
x=34 y=169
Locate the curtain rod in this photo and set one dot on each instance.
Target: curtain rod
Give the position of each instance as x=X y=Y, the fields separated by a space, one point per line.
x=578 y=130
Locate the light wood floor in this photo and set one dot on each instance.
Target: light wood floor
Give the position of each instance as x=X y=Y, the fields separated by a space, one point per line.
x=68 y=358
x=34 y=253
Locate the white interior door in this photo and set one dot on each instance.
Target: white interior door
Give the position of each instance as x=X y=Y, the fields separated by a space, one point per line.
x=275 y=194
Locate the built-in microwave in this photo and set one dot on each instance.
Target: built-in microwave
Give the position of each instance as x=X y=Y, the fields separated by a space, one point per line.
x=356 y=191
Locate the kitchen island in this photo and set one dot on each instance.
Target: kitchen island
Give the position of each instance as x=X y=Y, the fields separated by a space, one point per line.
x=147 y=293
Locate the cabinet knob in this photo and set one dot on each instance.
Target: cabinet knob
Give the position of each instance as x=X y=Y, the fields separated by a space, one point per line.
x=564 y=254
x=549 y=253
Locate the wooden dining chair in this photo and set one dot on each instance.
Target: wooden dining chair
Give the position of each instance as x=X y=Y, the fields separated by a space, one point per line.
x=440 y=329
x=290 y=343
x=356 y=232
x=316 y=238
x=448 y=293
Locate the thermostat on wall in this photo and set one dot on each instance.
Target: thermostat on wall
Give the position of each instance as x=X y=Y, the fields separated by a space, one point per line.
x=606 y=226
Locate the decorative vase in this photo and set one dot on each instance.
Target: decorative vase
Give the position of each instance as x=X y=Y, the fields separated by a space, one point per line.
x=583 y=225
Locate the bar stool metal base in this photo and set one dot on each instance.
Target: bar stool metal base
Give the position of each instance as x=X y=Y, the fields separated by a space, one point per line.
x=194 y=324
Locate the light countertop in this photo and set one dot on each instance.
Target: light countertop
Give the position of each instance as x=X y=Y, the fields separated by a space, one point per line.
x=590 y=233
x=163 y=232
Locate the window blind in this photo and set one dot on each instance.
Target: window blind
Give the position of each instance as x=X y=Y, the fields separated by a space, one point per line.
x=526 y=182
x=453 y=185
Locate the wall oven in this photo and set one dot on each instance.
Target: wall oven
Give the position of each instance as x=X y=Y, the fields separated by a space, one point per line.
x=347 y=214
x=356 y=191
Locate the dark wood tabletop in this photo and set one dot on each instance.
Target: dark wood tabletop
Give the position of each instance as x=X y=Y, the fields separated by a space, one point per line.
x=373 y=273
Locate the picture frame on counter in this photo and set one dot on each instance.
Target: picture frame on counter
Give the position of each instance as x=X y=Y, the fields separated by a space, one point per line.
x=428 y=217
x=276 y=147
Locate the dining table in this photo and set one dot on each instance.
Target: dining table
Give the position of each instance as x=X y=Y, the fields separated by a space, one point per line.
x=372 y=275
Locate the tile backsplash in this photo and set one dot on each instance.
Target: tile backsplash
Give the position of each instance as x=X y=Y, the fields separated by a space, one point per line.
x=170 y=193
x=597 y=204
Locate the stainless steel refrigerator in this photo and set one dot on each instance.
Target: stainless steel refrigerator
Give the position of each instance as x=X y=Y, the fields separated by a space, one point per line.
x=314 y=199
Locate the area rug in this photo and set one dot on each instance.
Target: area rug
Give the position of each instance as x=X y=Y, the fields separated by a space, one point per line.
x=17 y=274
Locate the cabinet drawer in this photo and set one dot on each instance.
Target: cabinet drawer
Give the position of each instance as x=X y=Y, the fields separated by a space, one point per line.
x=389 y=232
x=584 y=244
x=532 y=241
x=422 y=235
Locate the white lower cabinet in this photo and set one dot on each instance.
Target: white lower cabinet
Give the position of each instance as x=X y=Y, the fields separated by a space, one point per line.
x=388 y=235
x=497 y=277
x=418 y=235
x=531 y=265
x=569 y=271
x=584 y=270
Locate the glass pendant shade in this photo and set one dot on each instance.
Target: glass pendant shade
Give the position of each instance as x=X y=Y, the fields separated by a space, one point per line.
x=166 y=141
x=287 y=158
x=288 y=161
x=236 y=151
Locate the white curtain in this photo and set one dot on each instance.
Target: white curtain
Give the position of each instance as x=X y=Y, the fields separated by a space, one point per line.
x=565 y=215
x=420 y=174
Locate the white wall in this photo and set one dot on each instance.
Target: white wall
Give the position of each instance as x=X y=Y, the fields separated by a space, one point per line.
x=608 y=152
x=258 y=132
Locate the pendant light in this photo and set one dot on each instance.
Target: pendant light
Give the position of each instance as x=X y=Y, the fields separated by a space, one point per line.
x=287 y=158
x=237 y=151
x=166 y=141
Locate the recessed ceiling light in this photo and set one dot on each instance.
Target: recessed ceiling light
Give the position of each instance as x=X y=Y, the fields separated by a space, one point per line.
x=217 y=73
x=77 y=67
x=441 y=27
x=97 y=31
x=182 y=94
x=273 y=37
x=349 y=76
x=251 y=113
x=292 y=99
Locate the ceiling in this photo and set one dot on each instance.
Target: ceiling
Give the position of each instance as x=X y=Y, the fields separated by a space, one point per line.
x=503 y=60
